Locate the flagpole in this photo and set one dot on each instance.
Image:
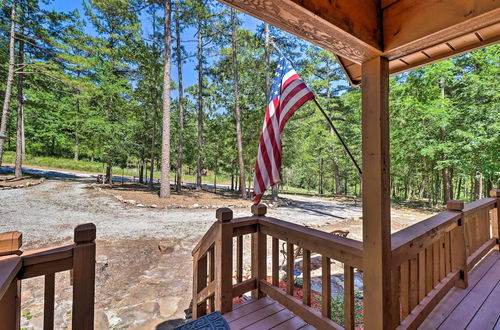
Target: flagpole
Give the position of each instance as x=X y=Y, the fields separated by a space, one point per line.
x=328 y=119
x=338 y=135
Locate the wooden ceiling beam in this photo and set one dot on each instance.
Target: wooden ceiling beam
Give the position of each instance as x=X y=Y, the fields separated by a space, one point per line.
x=413 y=25
x=348 y=28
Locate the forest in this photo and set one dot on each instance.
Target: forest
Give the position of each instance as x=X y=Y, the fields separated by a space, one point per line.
x=180 y=87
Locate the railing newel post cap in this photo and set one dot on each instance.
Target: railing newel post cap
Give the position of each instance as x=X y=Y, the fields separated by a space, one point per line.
x=259 y=209
x=495 y=193
x=85 y=233
x=224 y=214
x=455 y=205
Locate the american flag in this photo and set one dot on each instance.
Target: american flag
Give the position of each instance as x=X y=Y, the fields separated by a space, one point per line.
x=288 y=93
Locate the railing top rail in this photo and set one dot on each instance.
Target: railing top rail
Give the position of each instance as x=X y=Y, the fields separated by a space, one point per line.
x=479 y=204
x=422 y=229
x=339 y=248
x=354 y=246
x=47 y=254
x=207 y=240
x=9 y=268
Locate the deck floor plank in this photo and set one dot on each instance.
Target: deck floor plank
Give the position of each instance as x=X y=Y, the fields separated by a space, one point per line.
x=264 y=314
x=256 y=316
x=293 y=323
x=488 y=314
x=455 y=297
x=465 y=311
x=247 y=308
x=272 y=320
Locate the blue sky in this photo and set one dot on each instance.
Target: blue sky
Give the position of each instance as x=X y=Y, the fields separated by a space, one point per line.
x=189 y=76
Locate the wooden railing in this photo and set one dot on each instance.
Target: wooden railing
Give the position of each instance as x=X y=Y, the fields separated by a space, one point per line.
x=428 y=259
x=434 y=255
x=16 y=266
x=213 y=287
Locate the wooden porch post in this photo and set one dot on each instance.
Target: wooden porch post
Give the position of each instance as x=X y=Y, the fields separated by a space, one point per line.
x=495 y=221
x=224 y=259
x=376 y=194
x=84 y=277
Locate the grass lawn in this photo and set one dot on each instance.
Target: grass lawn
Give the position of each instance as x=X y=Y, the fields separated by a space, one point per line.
x=96 y=167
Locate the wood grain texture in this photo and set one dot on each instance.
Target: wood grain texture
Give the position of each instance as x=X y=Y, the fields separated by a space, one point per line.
x=337 y=34
x=326 y=287
x=48 y=301
x=10 y=302
x=296 y=306
x=456 y=295
x=10 y=242
x=413 y=25
x=259 y=260
x=9 y=268
x=83 y=286
x=306 y=279
x=349 y=317
x=335 y=247
x=290 y=267
x=376 y=194
x=275 y=261
x=224 y=267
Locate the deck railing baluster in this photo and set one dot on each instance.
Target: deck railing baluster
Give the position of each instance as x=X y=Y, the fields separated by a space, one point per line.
x=349 y=297
x=224 y=261
x=239 y=259
x=290 y=268
x=326 y=287
x=48 y=309
x=84 y=277
x=458 y=245
x=306 y=277
x=275 y=261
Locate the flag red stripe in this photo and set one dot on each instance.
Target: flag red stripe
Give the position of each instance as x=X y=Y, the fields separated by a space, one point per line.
x=269 y=157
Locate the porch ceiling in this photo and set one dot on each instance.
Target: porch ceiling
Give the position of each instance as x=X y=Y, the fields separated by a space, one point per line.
x=409 y=33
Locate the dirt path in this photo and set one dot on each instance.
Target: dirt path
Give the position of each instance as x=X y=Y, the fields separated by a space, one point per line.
x=137 y=285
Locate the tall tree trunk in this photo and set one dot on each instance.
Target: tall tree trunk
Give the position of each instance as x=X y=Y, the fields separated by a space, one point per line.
x=77 y=140
x=446 y=185
x=152 y=157
x=335 y=166
x=20 y=108
x=422 y=187
x=181 y=102
x=459 y=188
x=10 y=78
x=23 y=137
x=141 y=171
x=476 y=186
x=237 y=114
x=199 y=167
x=109 y=174
x=165 y=147
x=480 y=190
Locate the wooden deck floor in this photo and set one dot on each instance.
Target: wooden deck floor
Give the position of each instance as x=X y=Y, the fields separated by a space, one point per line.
x=477 y=306
x=264 y=314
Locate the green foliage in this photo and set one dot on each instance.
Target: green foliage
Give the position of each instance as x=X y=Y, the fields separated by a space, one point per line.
x=97 y=97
